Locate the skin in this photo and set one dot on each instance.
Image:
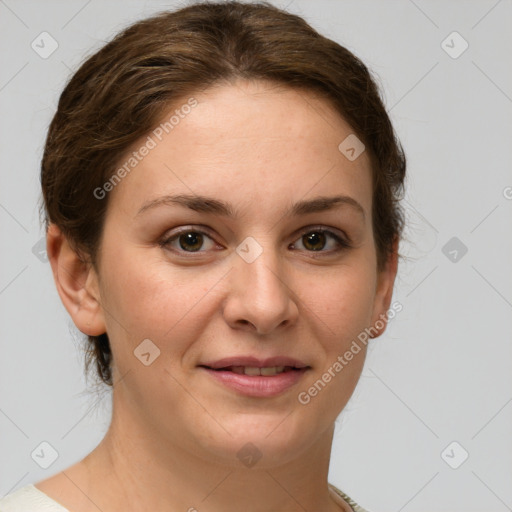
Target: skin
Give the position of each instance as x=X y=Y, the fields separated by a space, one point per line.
x=175 y=431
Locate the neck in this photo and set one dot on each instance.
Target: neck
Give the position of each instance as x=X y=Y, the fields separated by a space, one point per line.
x=132 y=469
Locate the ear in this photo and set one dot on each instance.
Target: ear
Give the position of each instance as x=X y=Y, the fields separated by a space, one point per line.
x=77 y=283
x=384 y=292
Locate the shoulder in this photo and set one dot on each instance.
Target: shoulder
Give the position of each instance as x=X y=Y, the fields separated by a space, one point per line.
x=29 y=499
x=355 y=507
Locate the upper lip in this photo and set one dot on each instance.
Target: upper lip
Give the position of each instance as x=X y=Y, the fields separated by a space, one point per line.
x=255 y=362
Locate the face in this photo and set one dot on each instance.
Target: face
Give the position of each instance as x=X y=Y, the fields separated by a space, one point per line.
x=258 y=270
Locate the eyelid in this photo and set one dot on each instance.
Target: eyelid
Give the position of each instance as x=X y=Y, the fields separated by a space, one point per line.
x=203 y=230
x=326 y=229
x=344 y=241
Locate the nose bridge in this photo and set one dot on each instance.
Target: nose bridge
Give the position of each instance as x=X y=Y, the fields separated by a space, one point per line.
x=260 y=262
x=259 y=294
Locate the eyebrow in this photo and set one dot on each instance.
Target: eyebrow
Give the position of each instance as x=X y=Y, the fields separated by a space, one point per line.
x=206 y=204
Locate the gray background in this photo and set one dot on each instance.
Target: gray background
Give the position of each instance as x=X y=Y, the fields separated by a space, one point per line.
x=441 y=373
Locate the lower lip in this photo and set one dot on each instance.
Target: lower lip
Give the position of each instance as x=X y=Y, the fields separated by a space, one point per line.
x=259 y=385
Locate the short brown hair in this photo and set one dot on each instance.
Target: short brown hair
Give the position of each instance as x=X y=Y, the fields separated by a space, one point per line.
x=118 y=94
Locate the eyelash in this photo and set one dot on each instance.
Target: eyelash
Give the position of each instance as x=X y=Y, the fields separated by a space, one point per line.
x=342 y=243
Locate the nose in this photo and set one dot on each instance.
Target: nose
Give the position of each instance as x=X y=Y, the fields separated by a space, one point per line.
x=260 y=297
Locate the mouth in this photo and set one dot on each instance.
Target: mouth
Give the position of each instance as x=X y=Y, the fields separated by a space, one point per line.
x=253 y=371
x=239 y=364
x=257 y=378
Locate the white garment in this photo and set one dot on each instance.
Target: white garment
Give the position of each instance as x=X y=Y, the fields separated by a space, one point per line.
x=30 y=499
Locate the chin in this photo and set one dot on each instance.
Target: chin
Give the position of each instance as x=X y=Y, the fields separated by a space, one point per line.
x=269 y=443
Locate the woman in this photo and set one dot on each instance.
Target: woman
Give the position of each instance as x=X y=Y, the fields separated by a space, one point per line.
x=221 y=191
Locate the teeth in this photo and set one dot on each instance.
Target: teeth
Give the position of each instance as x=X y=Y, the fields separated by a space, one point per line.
x=270 y=371
x=251 y=370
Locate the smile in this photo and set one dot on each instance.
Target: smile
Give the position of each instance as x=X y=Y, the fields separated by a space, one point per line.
x=257 y=382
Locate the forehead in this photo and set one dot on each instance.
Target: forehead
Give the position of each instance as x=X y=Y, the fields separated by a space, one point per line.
x=247 y=142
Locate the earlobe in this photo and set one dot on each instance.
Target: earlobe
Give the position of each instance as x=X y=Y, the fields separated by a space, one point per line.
x=76 y=282
x=384 y=291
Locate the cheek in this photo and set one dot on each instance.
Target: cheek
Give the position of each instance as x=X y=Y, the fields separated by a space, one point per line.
x=340 y=309
x=149 y=297
x=146 y=296
x=343 y=303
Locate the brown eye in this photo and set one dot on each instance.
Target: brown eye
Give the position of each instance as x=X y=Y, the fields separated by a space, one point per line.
x=191 y=241
x=187 y=241
x=316 y=240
